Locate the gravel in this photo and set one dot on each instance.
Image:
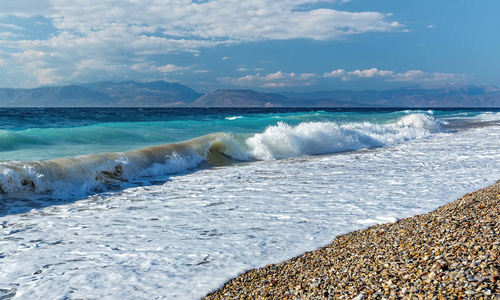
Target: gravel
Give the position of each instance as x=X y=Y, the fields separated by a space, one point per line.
x=451 y=253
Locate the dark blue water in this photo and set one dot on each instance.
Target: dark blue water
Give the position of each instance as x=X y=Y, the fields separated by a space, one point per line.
x=24 y=118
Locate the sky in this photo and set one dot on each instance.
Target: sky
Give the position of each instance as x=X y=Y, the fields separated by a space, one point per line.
x=265 y=45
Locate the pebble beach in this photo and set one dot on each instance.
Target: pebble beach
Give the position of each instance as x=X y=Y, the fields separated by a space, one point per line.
x=450 y=253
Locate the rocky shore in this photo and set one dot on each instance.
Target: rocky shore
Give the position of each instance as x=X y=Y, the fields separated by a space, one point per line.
x=451 y=253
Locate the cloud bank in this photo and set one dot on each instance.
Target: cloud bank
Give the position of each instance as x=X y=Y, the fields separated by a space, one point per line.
x=408 y=76
x=284 y=79
x=272 y=80
x=107 y=38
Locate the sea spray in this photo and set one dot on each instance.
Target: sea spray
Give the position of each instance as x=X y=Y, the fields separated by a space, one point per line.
x=312 y=138
x=83 y=174
x=79 y=175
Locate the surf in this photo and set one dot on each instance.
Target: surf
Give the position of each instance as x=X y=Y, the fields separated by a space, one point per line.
x=76 y=176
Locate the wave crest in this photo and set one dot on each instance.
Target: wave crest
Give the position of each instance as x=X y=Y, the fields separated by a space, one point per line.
x=284 y=141
x=79 y=175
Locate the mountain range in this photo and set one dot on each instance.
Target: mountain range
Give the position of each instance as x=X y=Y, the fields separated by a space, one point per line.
x=165 y=94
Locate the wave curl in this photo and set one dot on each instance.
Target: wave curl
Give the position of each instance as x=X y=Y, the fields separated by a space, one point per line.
x=82 y=174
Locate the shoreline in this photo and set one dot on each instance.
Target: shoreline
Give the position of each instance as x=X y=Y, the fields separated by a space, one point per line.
x=450 y=253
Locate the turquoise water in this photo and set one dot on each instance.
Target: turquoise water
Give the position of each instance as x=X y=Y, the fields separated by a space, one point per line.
x=88 y=147
x=44 y=133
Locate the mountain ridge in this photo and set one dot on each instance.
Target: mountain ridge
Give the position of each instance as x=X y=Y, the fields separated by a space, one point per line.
x=167 y=94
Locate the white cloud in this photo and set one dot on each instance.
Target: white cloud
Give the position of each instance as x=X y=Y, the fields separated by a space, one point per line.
x=11 y=26
x=125 y=32
x=408 y=76
x=278 y=79
x=201 y=71
x=149 y=67
x=226 y=19
x=373 y=72
x=421 y=76
x=8 y=35
x=335 y=73
x=170 y=68
x=6 y=31
x=278 y=20
x=284 y=79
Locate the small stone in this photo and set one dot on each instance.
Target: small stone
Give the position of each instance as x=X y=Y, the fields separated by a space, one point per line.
x=442 y=265
x=432 y=275
x=453 y=275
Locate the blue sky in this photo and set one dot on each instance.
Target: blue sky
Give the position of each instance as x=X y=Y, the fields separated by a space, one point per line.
x=266 y=45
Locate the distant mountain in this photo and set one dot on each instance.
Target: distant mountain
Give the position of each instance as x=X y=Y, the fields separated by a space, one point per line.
x=165 y=94
x=71 y=95
x=156 y=93
x=250 y=98
x=432 y=95
x=124 y=94
x=241 y=98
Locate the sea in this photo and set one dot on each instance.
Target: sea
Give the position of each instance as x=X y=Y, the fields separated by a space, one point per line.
x=171 y=203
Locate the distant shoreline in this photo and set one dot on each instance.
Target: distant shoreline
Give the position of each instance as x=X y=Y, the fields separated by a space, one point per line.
x=453 y=251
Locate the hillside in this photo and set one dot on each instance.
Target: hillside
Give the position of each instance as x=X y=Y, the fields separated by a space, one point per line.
x=250 y=98
x=71 y=95
x=435 y=95
x=156 y=93
x=165 y=94
x=123 y=94
x=242 y=98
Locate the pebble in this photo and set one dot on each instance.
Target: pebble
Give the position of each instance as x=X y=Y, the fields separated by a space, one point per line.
x=451 y=253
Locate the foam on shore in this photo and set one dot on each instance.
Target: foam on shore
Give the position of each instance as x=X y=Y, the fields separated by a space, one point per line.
x=452 y=252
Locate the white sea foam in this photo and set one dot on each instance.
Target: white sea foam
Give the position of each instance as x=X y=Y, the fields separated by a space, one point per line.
x=284 y=141
x=76 y=176
x=80 y=175
x=489 y=116
x=411 y=111
x=186 y=237
x=234 y=118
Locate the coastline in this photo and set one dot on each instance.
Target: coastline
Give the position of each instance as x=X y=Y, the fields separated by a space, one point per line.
x=450 y=253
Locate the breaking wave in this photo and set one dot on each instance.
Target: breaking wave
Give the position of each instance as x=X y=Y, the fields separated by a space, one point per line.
x=83 y=174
